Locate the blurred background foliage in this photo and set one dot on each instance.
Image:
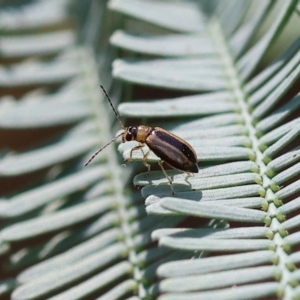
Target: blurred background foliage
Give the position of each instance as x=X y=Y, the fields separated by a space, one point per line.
x=223 y=75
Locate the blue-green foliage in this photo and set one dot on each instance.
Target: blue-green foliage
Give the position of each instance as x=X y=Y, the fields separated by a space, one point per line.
x=223 y=75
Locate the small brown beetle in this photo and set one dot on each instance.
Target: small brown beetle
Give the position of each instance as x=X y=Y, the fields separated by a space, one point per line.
x=170 y=148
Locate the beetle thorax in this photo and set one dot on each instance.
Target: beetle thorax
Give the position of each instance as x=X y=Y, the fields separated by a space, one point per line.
x=142 y=133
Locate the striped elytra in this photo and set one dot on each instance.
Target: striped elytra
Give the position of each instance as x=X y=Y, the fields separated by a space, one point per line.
x=173 y=150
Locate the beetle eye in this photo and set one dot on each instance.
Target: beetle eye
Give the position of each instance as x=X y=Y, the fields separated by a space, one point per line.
x=128 y=137
x=131 y=133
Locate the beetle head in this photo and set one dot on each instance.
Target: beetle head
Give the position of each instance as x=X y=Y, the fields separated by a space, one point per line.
x=130 y=134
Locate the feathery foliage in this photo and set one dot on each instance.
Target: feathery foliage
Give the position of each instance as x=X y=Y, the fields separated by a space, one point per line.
x=223 y=75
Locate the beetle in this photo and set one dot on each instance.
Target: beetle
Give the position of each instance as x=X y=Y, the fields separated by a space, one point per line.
x=170 y=148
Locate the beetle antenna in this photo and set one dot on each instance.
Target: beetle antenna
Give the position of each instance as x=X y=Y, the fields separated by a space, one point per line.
x=117 y=115
x=98 y=151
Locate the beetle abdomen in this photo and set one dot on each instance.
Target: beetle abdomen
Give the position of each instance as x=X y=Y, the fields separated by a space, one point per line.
x=173 y=150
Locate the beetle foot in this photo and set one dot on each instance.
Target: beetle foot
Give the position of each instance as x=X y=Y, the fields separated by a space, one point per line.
x=126 y=162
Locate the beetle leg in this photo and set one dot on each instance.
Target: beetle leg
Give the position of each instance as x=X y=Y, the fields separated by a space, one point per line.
x=167 y=176
x=130 y=156
x=145 y=161
x=188 y=174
